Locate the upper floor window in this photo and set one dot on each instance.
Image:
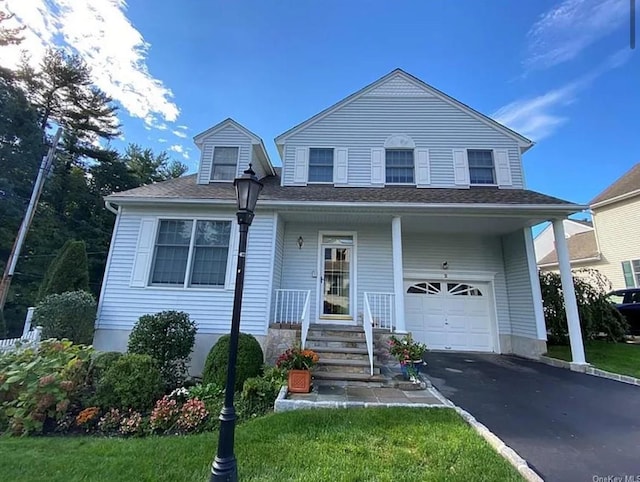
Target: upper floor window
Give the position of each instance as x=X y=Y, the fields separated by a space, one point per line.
x=399 y=166
x=225 y=163
x=320 y=165
x=481 y=170
x=205 y=243
x=631 y=271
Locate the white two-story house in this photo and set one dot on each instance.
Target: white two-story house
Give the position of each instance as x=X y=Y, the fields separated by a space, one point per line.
x=399 y=207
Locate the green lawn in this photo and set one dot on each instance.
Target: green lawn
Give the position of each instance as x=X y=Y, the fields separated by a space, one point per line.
x=623 y=358
x=387 y=444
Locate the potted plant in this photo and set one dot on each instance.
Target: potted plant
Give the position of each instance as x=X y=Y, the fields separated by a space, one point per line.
x=298 y=363
x=409 y=353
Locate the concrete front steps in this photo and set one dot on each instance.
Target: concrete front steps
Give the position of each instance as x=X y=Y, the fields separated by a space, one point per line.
x=343 y=356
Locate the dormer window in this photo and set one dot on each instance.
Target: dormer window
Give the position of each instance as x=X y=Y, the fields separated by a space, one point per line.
x=225 y=163
x=481 y=167
x=320 y=165
x=399 y=166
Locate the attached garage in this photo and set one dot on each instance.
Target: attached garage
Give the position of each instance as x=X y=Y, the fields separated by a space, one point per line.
x=450 y=315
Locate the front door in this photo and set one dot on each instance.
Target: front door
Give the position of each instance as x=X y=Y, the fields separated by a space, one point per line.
x=336 y=276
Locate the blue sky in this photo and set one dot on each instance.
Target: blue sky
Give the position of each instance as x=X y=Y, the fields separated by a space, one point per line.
x=560 y=72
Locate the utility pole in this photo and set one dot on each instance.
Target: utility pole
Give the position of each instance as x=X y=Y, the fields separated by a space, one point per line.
x=45 y=165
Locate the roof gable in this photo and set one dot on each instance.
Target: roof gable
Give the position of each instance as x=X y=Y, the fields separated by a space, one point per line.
x=400 y=83
x=581 y=246
x=627 y=185
x=255 y=140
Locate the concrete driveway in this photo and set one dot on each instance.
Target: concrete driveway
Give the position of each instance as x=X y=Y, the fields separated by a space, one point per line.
x=568 y=426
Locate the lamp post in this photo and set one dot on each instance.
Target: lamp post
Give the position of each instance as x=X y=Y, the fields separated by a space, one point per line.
x=224 y=466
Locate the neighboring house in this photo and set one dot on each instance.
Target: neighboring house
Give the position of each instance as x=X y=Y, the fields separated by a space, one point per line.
x=613 y=248
x=398 y=206
x=544 y=245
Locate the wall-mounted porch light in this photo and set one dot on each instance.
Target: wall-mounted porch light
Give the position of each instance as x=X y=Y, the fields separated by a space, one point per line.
x=300 y=242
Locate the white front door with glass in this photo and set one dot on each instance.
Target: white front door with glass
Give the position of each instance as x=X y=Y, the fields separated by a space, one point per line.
x=336 y=278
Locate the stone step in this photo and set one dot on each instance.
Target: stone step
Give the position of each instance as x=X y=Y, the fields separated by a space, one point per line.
x=348 y=379
x=345 y=365
x=315 y=344
x=322 y=326
x=342 y=353
x=354 y=335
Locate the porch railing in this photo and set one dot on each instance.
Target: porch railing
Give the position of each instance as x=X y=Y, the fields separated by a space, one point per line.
x=31 y=338
x=292 y=306
x=368 y=330
x=382 y=306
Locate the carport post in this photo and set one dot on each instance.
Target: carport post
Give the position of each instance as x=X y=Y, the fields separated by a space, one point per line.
x=570 y=304
x=398 y=277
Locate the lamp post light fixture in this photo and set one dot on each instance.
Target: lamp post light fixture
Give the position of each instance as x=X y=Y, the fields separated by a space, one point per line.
x=224 y=466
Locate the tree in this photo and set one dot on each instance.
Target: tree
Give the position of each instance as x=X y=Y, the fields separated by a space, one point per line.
x=68 y=271
x=8 y=35
x=148 y=167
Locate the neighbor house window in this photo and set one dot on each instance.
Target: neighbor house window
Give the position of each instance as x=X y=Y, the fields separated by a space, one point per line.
x=225 y=163
x=399 y=166
x=320 y=165
x=481 y=169
x=631 y=271
x=205 y=243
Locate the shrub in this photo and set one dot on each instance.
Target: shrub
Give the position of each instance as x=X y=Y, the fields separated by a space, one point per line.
x=131 y=382
x=260 y=393
x=3 y=326
x=68 y=271
x=101 y=362
x=168 y=337
x=68 y=315
x=249 y=361
x=40 y=384
x=597 y=315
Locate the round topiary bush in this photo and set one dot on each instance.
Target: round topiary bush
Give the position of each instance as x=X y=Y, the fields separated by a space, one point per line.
x=168 y=337
x=249 y=362
x=101 y=362
x=132 y=381
x=68 y=315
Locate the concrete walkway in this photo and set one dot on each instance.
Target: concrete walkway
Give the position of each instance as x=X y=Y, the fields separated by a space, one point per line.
x=367 y=395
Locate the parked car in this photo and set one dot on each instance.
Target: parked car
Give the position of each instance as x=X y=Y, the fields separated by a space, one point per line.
x=627 y=302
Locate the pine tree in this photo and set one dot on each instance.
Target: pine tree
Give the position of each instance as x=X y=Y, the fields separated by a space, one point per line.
x=68 y=271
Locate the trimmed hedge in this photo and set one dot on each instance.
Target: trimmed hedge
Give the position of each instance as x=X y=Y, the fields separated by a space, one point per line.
x=68 y=315
x=249 y=361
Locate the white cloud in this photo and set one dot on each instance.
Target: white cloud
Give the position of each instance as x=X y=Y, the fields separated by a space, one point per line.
x=179 y=133
x=112 y=47
x=162 y=140
x=183 y=127
x=539 y=117
x=177 y=148
x=563 y=32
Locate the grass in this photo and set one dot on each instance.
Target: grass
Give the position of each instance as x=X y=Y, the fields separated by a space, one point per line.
x=386 y=444
x=622 y=358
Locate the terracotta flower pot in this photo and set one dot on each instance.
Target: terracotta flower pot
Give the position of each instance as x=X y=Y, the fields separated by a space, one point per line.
x=299 y=381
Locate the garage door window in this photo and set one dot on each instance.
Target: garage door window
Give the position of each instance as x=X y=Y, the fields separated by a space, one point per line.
x=461 y=289
x=424 y=289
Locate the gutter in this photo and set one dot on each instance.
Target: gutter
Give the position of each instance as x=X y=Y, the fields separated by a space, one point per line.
x=109 y=206
x=612 y=200
x=560 y=208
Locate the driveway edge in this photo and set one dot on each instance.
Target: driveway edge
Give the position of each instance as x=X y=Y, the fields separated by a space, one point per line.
x=589 y=370
x=496 y=442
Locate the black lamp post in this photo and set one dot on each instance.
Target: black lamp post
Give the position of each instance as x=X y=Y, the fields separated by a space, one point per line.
x=224 y=466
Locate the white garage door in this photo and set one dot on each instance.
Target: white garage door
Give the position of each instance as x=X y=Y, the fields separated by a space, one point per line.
x=449 y=315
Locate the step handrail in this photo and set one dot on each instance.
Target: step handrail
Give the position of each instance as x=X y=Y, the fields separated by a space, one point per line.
x=368 y=330
x=305 y=321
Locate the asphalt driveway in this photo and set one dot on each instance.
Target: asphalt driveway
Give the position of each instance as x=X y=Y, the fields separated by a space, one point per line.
x=568 y=426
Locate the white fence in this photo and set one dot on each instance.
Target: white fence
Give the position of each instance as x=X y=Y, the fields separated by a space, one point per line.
x=382 y=306
x=292 y=306
x=30 y=337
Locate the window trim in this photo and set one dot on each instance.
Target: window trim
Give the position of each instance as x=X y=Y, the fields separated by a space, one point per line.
x=213 y=156
x=186 y=285
x=333 y=165
x=413 y=152
x=493 y=158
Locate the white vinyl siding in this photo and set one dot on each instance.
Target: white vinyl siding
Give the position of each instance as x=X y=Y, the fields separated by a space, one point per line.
x=227 y=137
x=521 y=308
x=122 y=305
x=364 y=124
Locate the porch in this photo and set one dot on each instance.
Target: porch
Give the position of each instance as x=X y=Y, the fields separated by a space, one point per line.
x=457 y=280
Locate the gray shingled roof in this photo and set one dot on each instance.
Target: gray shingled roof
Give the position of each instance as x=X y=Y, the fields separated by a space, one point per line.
x=628 y=182
x=187 y=188
x=581 y=246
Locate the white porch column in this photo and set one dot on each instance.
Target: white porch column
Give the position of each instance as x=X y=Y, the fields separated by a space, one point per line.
x=398 y=278
x=570 y=304
x=536 y=292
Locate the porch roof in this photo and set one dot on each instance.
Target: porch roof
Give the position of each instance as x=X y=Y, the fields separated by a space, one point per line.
x=187 y=190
